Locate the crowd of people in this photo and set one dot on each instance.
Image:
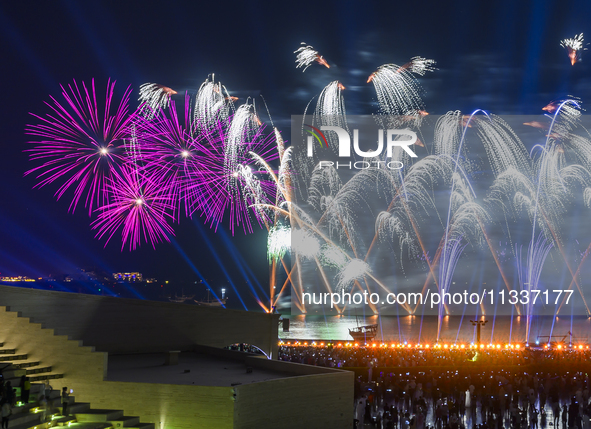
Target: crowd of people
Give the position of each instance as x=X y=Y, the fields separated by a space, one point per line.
x=453 y=388
x=476 y=399
x=10 y=397
x=384 y=356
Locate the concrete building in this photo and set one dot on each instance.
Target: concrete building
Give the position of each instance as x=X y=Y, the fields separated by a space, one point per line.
x=112 y=353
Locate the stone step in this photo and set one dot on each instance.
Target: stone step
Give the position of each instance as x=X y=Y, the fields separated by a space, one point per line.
x=21 y=418
x=22 y=409
x=54 y=396
x=12 y=372
x=77 y=407
x=144 y=426
x=14 y=382
x=10 y=358
x=45 y=376
x=38 y=370
x=29 y=364
x=99 y=415
x=63 y=421
x=7 y=351
x=29 y=426
x=36 y=387
x=125 y=421
x=90 y=425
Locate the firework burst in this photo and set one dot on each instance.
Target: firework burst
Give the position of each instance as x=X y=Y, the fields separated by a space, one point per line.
x=399 y=93
x=419 y=65
x=239 y=187
x=204 y=160
x=213 y=105
x=304 y=243
x=306 y=55
x=154 y=97
x=333 y=256
x=138 y=206
x=174 y=152
x=80 y=142
x=354 y=270
x=574 y=47
x=278 y=242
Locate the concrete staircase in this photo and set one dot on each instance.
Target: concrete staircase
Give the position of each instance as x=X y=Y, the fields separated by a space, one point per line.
x=81 y=416
x=30 y=416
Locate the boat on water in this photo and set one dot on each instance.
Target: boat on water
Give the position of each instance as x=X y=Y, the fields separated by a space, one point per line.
x=364 y=333
x=212 y=303
x=215 y=302
x=179 y=299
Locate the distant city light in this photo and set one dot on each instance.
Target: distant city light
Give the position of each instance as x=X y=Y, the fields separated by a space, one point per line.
x=17 y=279
x=129 y=277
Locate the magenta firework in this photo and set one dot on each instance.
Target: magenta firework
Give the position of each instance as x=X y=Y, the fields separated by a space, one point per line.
x=171 y=153
x=139 y=172
x=137 y=205
x=79 y=142
x=206 y=168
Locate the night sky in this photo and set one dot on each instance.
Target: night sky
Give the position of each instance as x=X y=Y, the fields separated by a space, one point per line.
x=503 y=56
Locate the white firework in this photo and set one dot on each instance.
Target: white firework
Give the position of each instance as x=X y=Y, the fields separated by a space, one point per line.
x=212 y=104
x=244 y=125
x=154 y=97
x=333 y=256
x=398 y=92
x=252 y=191
x=325 y=182
x=420 y=65
x=587 y=197
x=575 y=43
x=304 y=243
x=278 y=242
x=389 y=226
x=503 y=148
x=330 y=111
x=306 y=55
x=574 y=47
x=355 y=270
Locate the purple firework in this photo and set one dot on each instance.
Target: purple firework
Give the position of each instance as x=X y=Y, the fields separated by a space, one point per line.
x=171 y=152
x=204 y=165
x=79 y=142
x=139 y=206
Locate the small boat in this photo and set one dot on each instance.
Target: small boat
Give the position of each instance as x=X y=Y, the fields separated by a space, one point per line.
x=212 y=303
x=216 y=302
x=364 y=333
x=180 y=299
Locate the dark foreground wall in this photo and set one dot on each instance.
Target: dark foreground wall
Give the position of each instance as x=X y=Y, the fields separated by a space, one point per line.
x=119 y=325
x=307 y=397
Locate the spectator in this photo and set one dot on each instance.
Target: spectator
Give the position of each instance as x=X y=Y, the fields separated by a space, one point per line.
x=5 y=412
x=25 y=389
x=9 y=393
x=65 y=402
x=43 y=406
